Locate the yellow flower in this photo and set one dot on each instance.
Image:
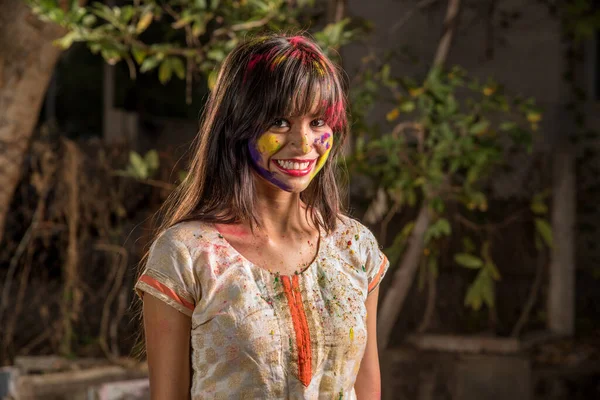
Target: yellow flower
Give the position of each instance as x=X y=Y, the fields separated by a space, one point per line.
x=392 y=115
x=488 y=90
x=426 y=251
x=416 y=91
x=534 y=117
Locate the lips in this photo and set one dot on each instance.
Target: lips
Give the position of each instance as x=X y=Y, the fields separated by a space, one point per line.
x=295 y=167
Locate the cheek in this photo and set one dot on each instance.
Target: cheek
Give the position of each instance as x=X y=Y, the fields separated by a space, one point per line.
x=324 y=145
x=268 y=144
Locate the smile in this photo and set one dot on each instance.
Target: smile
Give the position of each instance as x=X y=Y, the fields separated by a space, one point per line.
x=295 y=167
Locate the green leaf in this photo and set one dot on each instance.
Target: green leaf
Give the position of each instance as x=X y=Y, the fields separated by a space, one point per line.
x=468 y=244
x=138 y=54
x=180 y=23
x=149 y=64
x=473 y=296
x=407 y=106
x=144 y=22
x=89 y=20
x=182 y=175
x=178 y=67
x=507 y=126
x=151 y=160
x=545 y=230
x=539 y=207
x=66 y=41
x=487 y=289
x=493 y=270
x=479 y=127
x=468 y=260
x=212 y=79
x=444 y=226
x=138 y=165
x=215 y=54
x=165 y=71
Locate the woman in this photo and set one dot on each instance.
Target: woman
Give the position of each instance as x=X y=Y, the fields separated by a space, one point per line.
x=259 y=286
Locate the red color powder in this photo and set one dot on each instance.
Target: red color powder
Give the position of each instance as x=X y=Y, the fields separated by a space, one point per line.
x=296 y=40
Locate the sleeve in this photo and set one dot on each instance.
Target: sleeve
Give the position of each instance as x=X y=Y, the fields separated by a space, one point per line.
x=376 y=263
x=168 y=274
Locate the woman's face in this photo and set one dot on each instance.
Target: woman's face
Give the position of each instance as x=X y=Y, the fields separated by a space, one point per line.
x=291 y=152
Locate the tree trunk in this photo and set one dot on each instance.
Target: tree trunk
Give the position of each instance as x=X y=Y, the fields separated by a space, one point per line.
x=403 y=279
x=27 y=59
x=561 y=287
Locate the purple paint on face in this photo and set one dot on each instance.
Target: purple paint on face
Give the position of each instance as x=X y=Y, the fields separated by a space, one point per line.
x=325 y=137
x=256 y=159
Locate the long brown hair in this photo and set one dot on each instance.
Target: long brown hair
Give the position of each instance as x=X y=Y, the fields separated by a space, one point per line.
x=260 y=80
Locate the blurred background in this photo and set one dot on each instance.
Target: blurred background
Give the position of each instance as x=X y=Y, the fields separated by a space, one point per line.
x=473 y=157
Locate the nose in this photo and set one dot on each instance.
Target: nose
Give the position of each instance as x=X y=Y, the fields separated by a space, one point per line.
x=302 y=138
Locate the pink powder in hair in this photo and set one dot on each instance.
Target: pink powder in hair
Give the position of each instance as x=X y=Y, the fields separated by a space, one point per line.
x=296 y=40
x=333 y=114
x=254 y=60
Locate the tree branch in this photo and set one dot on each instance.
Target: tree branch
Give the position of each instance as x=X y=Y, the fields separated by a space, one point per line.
x=450 y=23
x=408 y=15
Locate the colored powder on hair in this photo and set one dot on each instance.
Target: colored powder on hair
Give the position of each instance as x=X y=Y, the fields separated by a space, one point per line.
x=278 y=60
x=296 y=40
x=319 y=68
x=333 y=114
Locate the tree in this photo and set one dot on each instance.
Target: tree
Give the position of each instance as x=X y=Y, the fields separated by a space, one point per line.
x=27 y=59
x=437 y=160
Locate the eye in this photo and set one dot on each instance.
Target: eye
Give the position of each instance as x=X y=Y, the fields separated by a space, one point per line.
x=280 y=123
x=318 y=122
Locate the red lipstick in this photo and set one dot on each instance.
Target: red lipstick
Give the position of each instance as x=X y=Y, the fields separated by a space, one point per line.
x=296 y=172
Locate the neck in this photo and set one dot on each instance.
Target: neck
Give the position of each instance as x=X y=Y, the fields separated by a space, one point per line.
x=279 y=211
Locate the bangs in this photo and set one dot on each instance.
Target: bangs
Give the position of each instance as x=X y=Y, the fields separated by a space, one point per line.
x=295 y=80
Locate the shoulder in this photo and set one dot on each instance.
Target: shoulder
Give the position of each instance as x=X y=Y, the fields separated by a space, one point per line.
x=183 y=235
x=351 y=227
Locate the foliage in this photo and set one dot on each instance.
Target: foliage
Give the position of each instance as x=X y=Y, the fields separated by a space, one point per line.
x=447 y=135
x=179 y=38
x=141 y=167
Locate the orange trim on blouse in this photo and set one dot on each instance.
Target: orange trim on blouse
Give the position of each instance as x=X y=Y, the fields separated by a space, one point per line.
x=294 y=298
x=165 y=290
x=378 y=276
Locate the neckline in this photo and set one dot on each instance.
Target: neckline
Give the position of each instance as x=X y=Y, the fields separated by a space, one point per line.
x=320 y=246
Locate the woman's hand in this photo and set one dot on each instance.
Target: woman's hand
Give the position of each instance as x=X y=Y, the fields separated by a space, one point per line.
x=168 y=350
x=368 y=380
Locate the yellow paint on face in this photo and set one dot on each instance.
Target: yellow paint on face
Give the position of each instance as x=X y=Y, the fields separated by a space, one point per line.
x=327 y=145
x=268 y=144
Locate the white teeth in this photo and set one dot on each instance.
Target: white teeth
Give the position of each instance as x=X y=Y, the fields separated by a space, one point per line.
x=293 y=165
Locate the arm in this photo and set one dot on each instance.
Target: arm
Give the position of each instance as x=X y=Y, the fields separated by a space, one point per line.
x=368 y=380
x=168 y=350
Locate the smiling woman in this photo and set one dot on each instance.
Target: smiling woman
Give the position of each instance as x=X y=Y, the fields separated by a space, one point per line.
x=256 y=275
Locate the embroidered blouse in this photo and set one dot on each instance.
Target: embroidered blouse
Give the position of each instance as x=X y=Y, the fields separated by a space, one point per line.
x=261 y=335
